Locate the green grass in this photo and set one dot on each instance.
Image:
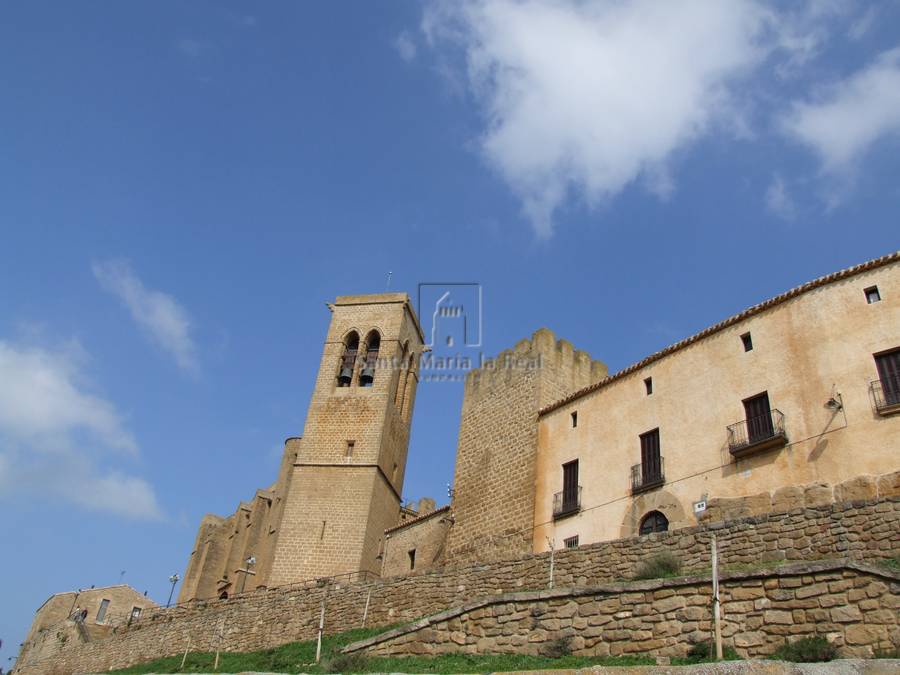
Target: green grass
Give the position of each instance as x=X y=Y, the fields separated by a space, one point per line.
x=300 y=657
x=891 y=564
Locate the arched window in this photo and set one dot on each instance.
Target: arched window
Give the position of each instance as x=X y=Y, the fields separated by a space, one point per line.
x=654 y=522
x=348 y=360
x=367 y=376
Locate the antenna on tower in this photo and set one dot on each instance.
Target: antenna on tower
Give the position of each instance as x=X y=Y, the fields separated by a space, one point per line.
x=388 y=285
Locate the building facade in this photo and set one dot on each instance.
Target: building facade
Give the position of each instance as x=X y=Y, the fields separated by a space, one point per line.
x=798 y=390
x=555 y=452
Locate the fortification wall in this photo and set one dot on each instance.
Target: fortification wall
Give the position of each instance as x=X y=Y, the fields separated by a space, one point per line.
x=862 y=530
x=493 y=499
x=853 y=606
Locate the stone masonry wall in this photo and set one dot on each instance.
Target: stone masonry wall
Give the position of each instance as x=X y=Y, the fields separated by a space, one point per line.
x=854 y=606
x=493 y=500
x=864 y=530
x=427 y=536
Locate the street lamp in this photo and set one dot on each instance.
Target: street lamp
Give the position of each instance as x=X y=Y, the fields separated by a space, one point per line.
x=174 y=579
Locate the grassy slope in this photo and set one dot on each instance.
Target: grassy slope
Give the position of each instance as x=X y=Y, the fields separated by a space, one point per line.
x=300 y=657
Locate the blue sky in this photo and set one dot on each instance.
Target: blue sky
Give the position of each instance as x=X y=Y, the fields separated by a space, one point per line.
x=184 y=185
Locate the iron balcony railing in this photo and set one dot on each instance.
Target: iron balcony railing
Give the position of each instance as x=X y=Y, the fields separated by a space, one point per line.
x=647 y=476
x=757 y=433
x=566 y=503
x=886 y=394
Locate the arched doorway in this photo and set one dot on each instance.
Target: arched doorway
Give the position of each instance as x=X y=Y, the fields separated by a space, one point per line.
x=653 y=522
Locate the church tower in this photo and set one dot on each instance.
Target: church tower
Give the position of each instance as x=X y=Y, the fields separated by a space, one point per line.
x=347 y=477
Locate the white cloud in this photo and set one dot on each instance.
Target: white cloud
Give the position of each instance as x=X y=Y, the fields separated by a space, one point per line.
x=848 y=117
x=405 y=46
x=55 y=435
x=585 y=97
x=863 y=23
x=159 y=314
x=192 y=47
x=779 y=200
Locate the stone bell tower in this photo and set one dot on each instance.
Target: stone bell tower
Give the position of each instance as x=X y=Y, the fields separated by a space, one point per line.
x=347 y=478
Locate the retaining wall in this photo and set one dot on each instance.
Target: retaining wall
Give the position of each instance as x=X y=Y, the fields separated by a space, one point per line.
x=853 y=605
x=862 y=530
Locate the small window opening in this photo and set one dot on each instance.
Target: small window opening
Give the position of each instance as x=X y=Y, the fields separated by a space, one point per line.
x=101 y=613
x=571 y=542
x=135 y=613
x=412 y=559
x=748 y=342
x=349 y=452
x=872 y=295
x=648 y=385
x=574 y=419
x=654 y=522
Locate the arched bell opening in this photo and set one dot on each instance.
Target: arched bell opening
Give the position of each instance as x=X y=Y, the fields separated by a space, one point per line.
x=348 y=360
x=367 y=375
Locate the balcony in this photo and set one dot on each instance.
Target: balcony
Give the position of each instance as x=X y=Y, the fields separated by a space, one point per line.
x=566 y=503
x=646 y=477
x=886 y=394
x=756 y=434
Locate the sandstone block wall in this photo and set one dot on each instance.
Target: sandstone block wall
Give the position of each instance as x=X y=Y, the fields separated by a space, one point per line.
x=348 y=477
x=493 y=500
x=427 y=536
x=867 y=530
x=854 y=606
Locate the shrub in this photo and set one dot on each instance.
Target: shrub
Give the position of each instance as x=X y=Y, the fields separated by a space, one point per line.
x=807 y=650
x=706 y=651
x=660 y=565
x=345 y=663
x=557 y=649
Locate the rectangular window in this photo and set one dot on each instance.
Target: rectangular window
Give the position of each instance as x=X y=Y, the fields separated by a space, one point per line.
x=888 y=365
x=412 y=559
x=747 y=341
x=570 y=485
x=648 y=385
x=101 y=613
x=571 y=542
x=872 y=294
x=574 y=419
x=651 y=462
x=135 y=613
x=759 y=417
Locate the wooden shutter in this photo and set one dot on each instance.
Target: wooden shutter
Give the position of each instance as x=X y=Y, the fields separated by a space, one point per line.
x=651 y=466
x=759 y=417
x=889 y=373
x=570 y=483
